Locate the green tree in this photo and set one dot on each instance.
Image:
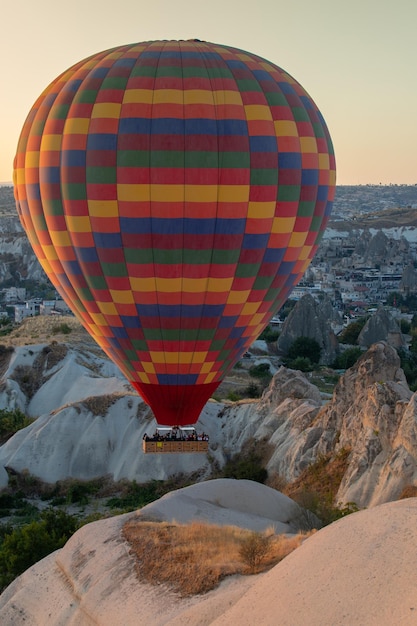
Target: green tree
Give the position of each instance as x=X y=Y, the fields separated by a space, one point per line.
x=269 y=334
x=405 y=326
x=350 y=334
x=347 y=358
x=304 y=347
x=25 y=546
x=409 y=365
x=11 y=421
x=395 y=298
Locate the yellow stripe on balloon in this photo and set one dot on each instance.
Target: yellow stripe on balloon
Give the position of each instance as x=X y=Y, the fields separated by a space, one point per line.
x=283 y=225
x=148 y=367
x=32 y=159
x=308 y=144
x=238 y=297
x=103 y=208
x=250 y=308
x=78 y=224
x=227 y=97
x=297 y=240
x=261 y=210
x=121 y=296
x=324 y=161
x=168 y=285
x=107 y=308
x=51 y=142
x=257 y=112
x=76 y=126
x=286 y=128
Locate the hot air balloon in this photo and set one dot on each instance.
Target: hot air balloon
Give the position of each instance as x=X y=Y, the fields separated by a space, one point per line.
x=174 y=192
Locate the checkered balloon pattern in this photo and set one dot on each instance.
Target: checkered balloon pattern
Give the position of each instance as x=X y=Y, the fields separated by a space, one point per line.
x=174 y=192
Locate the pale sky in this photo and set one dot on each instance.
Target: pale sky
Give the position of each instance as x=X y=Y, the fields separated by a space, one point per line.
x=356 y=58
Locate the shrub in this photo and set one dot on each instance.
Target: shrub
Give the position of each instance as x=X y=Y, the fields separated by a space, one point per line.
x=138 y=495
x=252 y=391
x=63 y=328
x=301 y=363
x=78 y=493
x=27 y=378
x=254 y=549
x=248 y=467
x=260 y=371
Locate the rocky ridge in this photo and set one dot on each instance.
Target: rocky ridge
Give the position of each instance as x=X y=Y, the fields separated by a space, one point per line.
x=90 y=423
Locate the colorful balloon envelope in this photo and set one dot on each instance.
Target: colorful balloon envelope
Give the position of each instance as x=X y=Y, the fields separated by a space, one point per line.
x=174 y=192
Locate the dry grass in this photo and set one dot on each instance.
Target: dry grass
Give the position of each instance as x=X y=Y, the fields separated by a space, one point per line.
x=99 y=405
x=194 y=558
x=322 y=477
x=42 y=329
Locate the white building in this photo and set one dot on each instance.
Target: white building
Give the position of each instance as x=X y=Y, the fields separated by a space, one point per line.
x=29 y=309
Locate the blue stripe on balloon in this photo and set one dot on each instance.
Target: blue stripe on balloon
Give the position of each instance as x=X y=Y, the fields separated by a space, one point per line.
x=173 y=54
x=263 y=75
x=73 y=158
x=322 y=192
x=87 y=255
x=135 y=226
x=289 y=160
x=101 y=141
x=310 y=177
x=135 y=126
x=49 y=175
x=255 y=241
x=286 y=268
x=184 y=310
x=188 y=226
x=274 y=255
x=73 y=268
x=119 y=332
x=262 y=143
x=107 y=240
x=286 y=88
x=228 y=321
x=177 y=380
x=174 y=126
x=130 y=321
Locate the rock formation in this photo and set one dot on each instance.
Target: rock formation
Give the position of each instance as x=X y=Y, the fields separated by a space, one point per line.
x=409 y=279
x=93 y=580
x=370 y=417
x=312 y=319
x=90 y=423
x=381 y=326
